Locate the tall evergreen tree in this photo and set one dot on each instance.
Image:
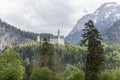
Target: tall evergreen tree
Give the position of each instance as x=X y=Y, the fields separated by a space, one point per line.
x=95 y=57
x=47 y=54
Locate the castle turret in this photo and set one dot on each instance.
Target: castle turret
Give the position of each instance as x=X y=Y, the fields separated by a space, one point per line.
x=58 y=36
x=38 y=38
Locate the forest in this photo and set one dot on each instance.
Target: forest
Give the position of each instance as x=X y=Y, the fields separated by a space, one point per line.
x=22 y=62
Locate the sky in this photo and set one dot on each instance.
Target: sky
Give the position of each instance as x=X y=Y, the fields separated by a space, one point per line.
x=47 y=16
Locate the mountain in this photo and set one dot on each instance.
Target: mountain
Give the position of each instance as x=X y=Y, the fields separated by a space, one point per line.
x=112 y=34
x=103 y=18
x=10 y=35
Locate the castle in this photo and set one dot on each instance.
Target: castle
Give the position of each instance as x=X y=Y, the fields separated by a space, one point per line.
x=55 y=39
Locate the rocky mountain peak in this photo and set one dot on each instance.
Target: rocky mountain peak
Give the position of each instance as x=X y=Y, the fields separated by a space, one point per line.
x=106 y=8
x=109 y=4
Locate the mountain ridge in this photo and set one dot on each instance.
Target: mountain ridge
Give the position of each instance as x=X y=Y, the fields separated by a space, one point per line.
x=103 y=17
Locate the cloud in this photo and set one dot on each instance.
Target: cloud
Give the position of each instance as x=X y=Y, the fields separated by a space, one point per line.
x=46 y=15
x=34 y=15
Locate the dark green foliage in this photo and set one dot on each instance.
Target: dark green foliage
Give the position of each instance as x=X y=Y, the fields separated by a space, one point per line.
x=71 y=54
x=27 y=50
x=95 y=59
x=44 y=73
x=45 y=36
x=10 y=66
x=28 y=69
x=113 y=56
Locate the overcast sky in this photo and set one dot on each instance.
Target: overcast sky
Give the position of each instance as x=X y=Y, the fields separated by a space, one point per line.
x=47 y=15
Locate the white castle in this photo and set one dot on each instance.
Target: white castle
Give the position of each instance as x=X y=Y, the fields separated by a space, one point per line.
x=57 y=39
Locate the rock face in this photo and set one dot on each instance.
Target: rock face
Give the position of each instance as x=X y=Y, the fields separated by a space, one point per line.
x=112 y=34
x=104 y=17
x=9 y=35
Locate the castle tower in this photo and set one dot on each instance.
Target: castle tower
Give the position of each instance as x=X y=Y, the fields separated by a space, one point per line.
x=58 y=36
x=38 y=38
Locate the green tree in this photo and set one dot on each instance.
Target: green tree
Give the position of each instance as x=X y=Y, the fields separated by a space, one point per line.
x=116 y=74
x=95 y=57
x=10 y=66
x=73 y=73
x=79 y=75
x=44 y=73
x=110 y=75
x=106 y=75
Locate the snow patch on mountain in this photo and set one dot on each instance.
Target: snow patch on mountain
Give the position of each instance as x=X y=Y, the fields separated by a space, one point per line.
x=112 y=4
x=117 y=15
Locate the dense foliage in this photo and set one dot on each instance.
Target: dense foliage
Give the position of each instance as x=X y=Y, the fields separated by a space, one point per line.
x=44 y=73
x=10 y=66
x=73 y=73
x=73 y=54
x=69 y=55
x=69 y=60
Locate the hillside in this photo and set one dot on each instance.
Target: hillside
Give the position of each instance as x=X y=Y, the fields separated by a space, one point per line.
x=112 y=34
x=10 y=35
x=104 y=17
x=71 y=54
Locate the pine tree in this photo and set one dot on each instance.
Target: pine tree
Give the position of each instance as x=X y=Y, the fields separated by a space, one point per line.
x=95 y=57
x=47 y=54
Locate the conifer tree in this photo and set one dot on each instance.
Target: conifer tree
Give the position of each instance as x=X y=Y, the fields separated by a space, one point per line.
x=95 y=57
x=47 y=54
